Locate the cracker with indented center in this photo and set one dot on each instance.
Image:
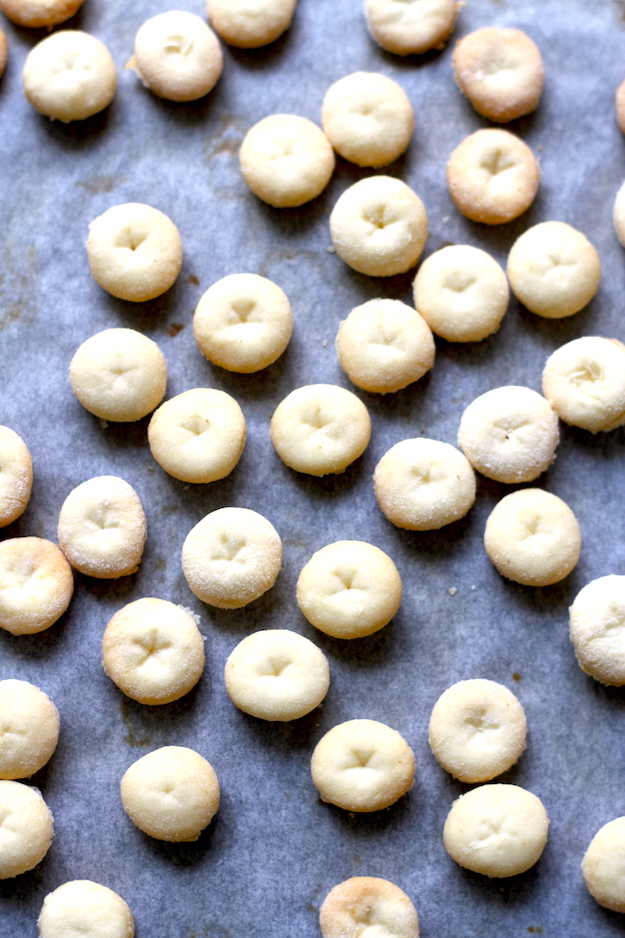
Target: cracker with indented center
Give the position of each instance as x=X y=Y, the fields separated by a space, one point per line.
x=597 y=629
x=424 y=484
x=620 y=106
x=231 y=557
x=362 y=765
x=243 y=323
x=477 y=730
x=367 y=118
x=584 y=382
x=37 y=13
x=603 y=866
x=81 y=907
x=320 y=429
x=509 y=434
x=618 y=214
x=384 y=346
x=349 y=589
x=4 y=52
x=496 y=830
x=102 y=528
x=177 y=56
x=171 y=794
x=553 y=270
x=492 y=177
x=69 y=76
x=286 y=160
x=134 y=251
x=462 y=293
x=119 y=374
x=249 y=24
x=411 y=26
x=500 y=71
x=277 y=675
x=198 y=436
x=29 y=729
x=16 y=476
x=379 y=226
x=36 y=585
x=26 y=830
x=367 y=904
x=153 y=651
x=532 y=537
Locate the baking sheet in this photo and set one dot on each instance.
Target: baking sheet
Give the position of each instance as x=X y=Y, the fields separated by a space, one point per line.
x=274 y=851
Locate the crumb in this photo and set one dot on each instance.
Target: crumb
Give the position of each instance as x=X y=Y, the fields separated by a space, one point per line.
x=325 y=343
x=175 y=328
x=331 y=249
x=474 y=587
x=194 y=280
x=453 y=591
x=103 y=423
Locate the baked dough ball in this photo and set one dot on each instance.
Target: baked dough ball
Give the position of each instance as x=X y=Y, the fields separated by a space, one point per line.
x=84 y=908
x=102 y=528
x=618 y=216
x=492 y=176
x=286 y=160
x=424 y=484
x=349 y=589
x=277 y=675
x=603 y=866
x=462 y=293
x=532 y=537
x=16 y=476
x=198 y=436
x=509 y=434
x=620 y=106
x=249 y=24
x=177 y=56
x=29 y=729
x=384 y=346
x=477 y=730
x=134 y=251
x=362 y=765
x=37 y=13
x=36 y=585
x=26 y=830
x=367 y=118
x=584 y=381
x=497 y=830
x=231 y=557
x=171 y=794
x=4 y=51
x=119 y=374
x=366 y=904
x=500 y=71
x=597 y=629
x=153 y=651
x=407 y=26
x=320 y=429
x=379 y=226
x=553 y=270
x=243 y=323
x=69 y=76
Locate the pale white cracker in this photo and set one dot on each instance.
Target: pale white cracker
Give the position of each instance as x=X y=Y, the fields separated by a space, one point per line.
x=411 y=26
x=153 y=651
x=102 y=528
x=362 y=765
x=462 y=293
x=349 y=589
x=497 y=830
x=83 y=908
x=69 y=76
x=597 y=629
x=134 y=251
x=532 y=537
x=477 y=730
x=379 y=226
x=584 y=381
x=171 y=794
x=26 y=830
x=36 y=585
x=384 y=346
x=243 y=323
x=320 y=429
x=198 y=436
x=603 y=866
x=366 y=904
x=424 y=484
x=16 y=476
x=231 y=557
x=368 y=118
x=277 y=675
x=29 y=729
x=249 y=24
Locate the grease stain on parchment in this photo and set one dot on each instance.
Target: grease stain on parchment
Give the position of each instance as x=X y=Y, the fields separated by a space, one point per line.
x=134 y=736
x=98 y=184
x=17 y=285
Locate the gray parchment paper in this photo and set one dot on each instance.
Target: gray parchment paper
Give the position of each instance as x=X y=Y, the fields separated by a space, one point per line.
x=266 y=862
